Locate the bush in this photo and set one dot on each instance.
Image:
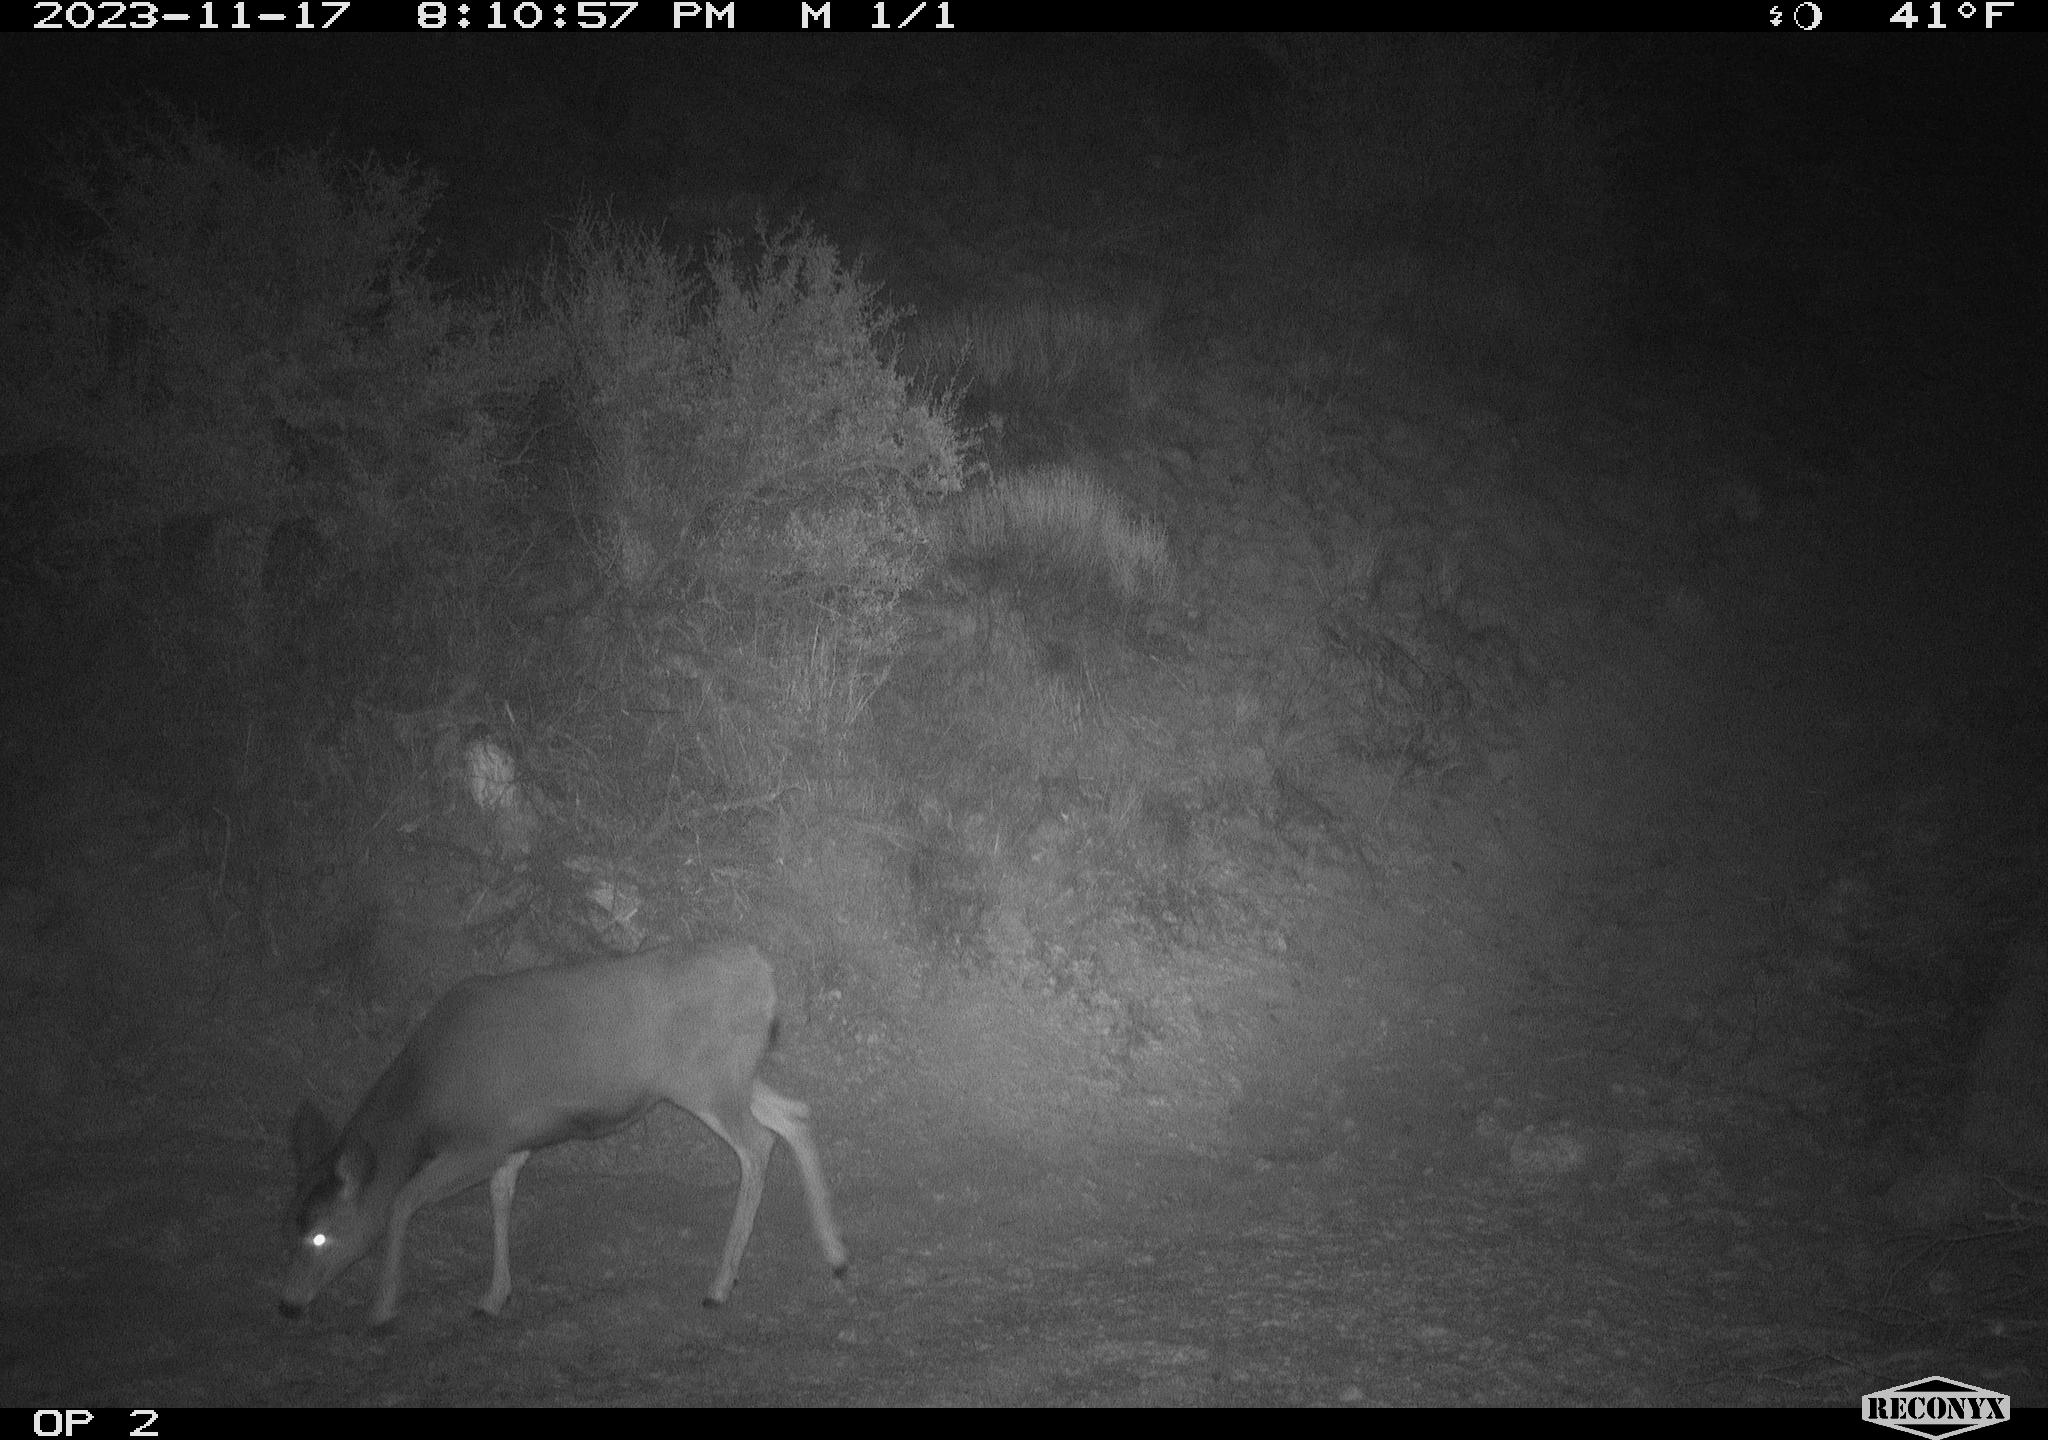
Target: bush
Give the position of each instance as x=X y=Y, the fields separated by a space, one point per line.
x=246 y=347
x=291 y=461
x=752 y=444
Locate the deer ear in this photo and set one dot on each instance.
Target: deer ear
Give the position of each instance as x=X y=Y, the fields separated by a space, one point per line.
x=312 y=1136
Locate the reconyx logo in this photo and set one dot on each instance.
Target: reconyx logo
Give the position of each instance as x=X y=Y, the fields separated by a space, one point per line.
x=1936 y=1407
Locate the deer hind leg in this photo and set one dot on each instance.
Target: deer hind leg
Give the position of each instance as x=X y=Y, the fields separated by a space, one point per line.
x=752 y=1142
x=788 y=1118
x=503 y=1181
